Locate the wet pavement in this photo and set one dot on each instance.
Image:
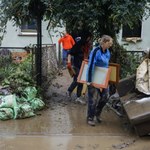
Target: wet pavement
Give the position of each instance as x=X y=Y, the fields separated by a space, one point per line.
x=62 y=126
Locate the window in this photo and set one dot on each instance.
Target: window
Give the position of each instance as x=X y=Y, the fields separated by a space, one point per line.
x=29 y=28
x=127 y=32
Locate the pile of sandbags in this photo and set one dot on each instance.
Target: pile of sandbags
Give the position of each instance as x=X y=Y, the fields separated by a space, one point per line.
x=15 y=107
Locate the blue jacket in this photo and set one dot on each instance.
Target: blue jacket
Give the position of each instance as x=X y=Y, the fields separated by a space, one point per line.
x=97 y=58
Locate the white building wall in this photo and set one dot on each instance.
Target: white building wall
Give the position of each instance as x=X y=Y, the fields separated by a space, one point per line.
x=13 y=37
x=139 y=45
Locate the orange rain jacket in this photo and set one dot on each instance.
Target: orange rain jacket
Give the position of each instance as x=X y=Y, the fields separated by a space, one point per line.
x=67 y=42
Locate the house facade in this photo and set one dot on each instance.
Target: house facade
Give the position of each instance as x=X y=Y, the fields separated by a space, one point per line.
x=137 y=39
x=17 y=37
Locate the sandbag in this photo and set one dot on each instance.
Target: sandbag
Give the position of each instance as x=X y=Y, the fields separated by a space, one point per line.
x=29 y=93
x=24 y=111
x=6 y=113
x=9 y=101
x=37 y=104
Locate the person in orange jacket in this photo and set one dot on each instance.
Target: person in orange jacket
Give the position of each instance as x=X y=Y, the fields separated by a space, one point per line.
x=67 y=42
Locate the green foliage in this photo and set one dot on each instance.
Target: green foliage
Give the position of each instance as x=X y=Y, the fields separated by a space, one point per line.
x=101 y=17
x=5 y=57
x=5 y=61
x=128 y=61
x=98 y=16
x=19 y=76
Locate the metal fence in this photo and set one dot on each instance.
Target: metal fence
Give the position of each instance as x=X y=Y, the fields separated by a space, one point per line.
x=138 y=55
x=18 y=54
x=50 y=61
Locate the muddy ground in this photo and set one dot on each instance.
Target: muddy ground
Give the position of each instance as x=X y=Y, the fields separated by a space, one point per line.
x=62 y=126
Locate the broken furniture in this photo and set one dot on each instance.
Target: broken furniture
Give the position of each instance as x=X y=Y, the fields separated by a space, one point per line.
x=136 y=105
x=138 y=112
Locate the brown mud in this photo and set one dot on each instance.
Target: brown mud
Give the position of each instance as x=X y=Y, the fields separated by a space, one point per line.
x=62 y=126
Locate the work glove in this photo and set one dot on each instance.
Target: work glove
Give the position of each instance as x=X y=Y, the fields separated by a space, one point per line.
x=69 y=66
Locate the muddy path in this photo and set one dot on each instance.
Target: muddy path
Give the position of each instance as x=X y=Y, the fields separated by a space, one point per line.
x=62 y=126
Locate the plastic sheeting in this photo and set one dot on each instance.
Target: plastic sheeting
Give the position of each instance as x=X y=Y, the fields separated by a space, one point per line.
x=143 y=77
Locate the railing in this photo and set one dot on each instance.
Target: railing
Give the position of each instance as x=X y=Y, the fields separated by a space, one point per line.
x=48 y=59
x=137 y=55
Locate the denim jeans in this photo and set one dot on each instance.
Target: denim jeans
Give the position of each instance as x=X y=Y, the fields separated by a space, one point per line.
x=64 y=57
x=75 y=84
x=96 y=101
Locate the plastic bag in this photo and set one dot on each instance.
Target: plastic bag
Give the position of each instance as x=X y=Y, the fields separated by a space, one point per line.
x=24 y=111
x=6 y=113
x=30 y=93
x=7 y=101
x=143 y=77
x=37 y=104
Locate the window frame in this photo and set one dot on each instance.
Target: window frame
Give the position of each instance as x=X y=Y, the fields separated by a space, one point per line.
x=28 y=29
x=133 y=34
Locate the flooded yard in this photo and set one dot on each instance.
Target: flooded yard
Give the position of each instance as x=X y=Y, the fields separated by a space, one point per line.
x=62 y=126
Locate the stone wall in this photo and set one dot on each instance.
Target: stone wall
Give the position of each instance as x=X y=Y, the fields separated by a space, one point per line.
x=49 y=64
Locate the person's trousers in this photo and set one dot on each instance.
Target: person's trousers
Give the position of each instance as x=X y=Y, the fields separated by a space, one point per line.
x=96 y=101
x=75 y=84
x=64 y=57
